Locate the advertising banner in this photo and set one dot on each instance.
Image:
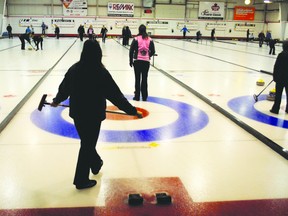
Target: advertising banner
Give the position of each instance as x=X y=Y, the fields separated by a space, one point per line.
x=121 y=9
x=244 y=13
x=95 y=23
x=35 y=22
x=244 y=27
x=133 y=24
x=216 y=26
x=60 y=22
x=211 y=10
x=74 y=7
x=189 y=25
x=157 y=24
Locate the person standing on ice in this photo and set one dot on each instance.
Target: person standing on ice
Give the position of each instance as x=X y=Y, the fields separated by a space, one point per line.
x=261 y=38
x=9 y=30
x=88 y=84
x=141 y=50
x=90 y=32
x=280 y=77
x=81 y=32
x=57 y=31
x=213 y=34
x=103 y=33
x=185 y=30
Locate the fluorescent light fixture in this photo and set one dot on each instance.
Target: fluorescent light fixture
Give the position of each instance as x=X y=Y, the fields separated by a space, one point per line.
x=267 y=1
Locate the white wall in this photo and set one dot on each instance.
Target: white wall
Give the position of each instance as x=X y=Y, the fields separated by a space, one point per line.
x=1 y=15
x=1 y=24
x=284 y=27
x=99 y=7
x=176 y=14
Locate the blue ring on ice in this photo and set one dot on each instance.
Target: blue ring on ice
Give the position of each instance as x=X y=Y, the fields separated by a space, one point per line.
x=190 y=120
x=244 y=106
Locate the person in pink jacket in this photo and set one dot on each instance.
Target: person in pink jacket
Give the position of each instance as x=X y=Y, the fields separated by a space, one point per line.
x=141 y=50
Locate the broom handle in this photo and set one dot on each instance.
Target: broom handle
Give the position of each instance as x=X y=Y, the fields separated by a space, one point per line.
x=107 y=111
x=265 y=87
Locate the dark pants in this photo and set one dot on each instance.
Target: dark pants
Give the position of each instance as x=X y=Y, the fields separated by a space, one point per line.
x=272 y=50
x=88 y=130
x=103 y=38
x=10 y=35
x=37 y=44
x=278 y=97
x=125 y=41
x=22 y=39
x=141 y=69
x=261 y=41
x=81 y=36
x=184 y=34
x=22 y=43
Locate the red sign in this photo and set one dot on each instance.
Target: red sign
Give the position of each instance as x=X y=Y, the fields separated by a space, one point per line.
x=244 y=13
x=148 y=11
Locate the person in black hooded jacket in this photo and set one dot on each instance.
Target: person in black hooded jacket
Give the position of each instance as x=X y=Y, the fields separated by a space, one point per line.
x=38 y=39
x=24 y=37
x=88 y=84
x=280 y=76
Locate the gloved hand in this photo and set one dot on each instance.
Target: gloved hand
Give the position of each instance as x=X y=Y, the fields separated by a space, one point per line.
x=53 y=104
x=131 y=64
x=139 y=114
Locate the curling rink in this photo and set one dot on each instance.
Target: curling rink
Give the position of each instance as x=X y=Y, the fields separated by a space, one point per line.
x=204 y=140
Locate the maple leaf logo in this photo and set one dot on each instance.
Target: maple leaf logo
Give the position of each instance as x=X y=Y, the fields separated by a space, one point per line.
x=66 y=3
x=215 y=7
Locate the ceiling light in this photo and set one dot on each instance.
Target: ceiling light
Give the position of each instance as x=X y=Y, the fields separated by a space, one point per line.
x=267 y=1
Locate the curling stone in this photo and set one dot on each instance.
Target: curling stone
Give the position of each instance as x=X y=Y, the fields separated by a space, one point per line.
x=271 y=96
x=260 y=82
x=163 y=199
x=135 y=199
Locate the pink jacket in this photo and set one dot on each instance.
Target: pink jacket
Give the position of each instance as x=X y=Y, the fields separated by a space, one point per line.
x=143 y=48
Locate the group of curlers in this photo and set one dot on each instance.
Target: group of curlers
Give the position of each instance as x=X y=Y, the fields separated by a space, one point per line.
x=94 y=81
x=91 y=34
x=88 y=78
x=37 y=39
x=28 y=35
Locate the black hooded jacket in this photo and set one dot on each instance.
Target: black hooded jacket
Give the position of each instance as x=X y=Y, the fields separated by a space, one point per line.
x=280 y=72
x=89 y=84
